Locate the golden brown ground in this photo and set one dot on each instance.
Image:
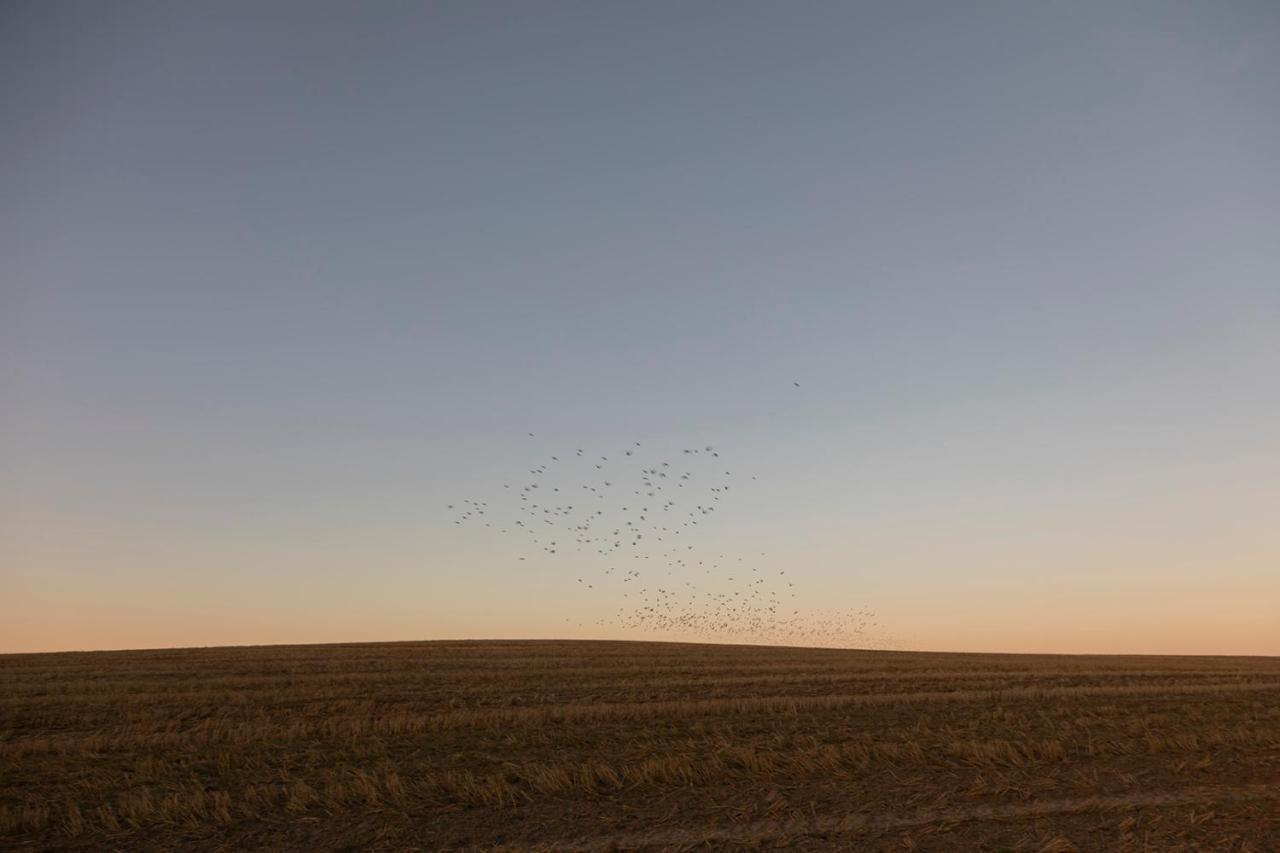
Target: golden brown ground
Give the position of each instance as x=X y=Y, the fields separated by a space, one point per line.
x=600 y=746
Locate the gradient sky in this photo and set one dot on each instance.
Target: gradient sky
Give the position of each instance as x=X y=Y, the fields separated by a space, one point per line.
x=281 y=280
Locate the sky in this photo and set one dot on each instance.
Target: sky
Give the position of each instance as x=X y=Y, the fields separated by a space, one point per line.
x=281 y=281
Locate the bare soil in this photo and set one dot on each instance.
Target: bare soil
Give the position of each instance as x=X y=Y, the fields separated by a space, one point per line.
x=585 y=746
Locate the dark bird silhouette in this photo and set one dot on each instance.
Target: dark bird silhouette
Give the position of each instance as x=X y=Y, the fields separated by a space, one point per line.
x=698 y=599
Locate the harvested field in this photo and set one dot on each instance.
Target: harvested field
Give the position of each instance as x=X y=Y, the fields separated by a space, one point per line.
x=603 y=745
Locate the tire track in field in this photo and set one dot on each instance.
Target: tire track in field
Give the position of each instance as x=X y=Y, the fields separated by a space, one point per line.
x=764 y=830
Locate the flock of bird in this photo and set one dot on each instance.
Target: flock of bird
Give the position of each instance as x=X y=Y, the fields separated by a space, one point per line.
x=637 y=527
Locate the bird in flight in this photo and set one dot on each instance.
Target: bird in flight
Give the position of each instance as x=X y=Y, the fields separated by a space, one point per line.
x=712 y=605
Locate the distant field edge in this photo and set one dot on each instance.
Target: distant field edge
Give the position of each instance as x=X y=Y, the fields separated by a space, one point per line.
x=628 y=643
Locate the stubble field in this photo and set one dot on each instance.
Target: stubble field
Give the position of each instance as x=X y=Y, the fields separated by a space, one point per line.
x=602 y=746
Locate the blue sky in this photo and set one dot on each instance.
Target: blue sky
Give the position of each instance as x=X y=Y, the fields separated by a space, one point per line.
x=281 y=280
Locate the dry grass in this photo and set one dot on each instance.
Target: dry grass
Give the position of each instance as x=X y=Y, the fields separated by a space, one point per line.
x=587 y=746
